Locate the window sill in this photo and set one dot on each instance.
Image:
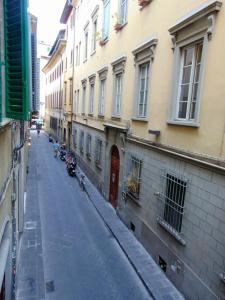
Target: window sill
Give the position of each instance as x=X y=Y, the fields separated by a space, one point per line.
x=118 y=27
x=134 y=199
x=171 y=230
x=90 y=115
x=93 y=52
x=140 y=119
x=143 y=3
x=101 y=116
x=183 y=123
x=98 y=165
x=103 y=42
x=116 y=118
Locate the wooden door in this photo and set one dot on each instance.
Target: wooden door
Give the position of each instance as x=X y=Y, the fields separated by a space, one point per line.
x=114 y=176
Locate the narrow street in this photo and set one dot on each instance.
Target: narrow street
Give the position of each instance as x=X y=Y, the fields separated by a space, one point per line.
x=81 y=258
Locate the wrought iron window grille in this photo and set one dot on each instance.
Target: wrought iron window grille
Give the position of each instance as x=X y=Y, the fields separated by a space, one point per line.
x=172 y=198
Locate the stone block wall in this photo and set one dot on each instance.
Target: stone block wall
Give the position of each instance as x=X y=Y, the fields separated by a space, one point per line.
x=202 y=259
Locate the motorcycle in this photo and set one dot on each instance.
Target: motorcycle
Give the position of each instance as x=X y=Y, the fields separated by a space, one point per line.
x=62 y=155
x=71 y=167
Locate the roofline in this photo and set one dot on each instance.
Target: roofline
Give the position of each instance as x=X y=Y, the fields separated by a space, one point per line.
x=60 y=46
x=68 y=7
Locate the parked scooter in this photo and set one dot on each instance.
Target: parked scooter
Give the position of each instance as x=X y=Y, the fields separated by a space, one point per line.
x=62 y=155
x=71 y=167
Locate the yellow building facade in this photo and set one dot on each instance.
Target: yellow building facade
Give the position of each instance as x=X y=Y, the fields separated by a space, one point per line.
x=148 y=126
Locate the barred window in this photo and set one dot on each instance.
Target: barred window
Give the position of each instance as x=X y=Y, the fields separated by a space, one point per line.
x=134 y=177
x=88 y=146
x=82 y=142
x=173 y=196
x=75 y=138
x=98 y=154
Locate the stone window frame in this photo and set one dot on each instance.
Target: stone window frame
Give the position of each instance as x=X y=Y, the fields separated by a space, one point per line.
x=88 y=146
x=94 y=17
x=70 y=90
x=91 y=79
x=81 y=144
x=118 y=67
x=86 y=33
x=143 y=54
x=98 y=153
x=105 y=34
x=102 y=73
x=197 y=25
x=132 y=161
x=169 y=194
x=84 y=95
x=124 y=20
x=75 y=135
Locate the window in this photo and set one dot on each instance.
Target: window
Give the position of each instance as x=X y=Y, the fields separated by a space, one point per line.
x=189 y=81
x=91 y=102
x=101 y=98
x=123 y=12
x=118 y=71
x=85 y=45
x=134 y=177
x=79 y=49
x=76 y=55
x=106 y=17
x=174 y=201
x=71 y=57
x=84 y=99
x=65 y=91
x=94 y=36
x=78 y=100
x=75 y=138
x=88 y=146
x=75 y=103
x=191 y=36
x=91 y=93
x=98 y=154
x=71 y=91
x=102 y=85
x=143 y=57
x=118 y=94
x=81 y=142
x=143 y=90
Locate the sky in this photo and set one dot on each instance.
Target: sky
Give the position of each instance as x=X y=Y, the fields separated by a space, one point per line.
x=48 y=13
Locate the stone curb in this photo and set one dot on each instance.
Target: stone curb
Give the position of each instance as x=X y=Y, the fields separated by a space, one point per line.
x=156 y=282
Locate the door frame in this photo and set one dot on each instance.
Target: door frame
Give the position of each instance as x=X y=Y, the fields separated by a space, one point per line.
x=114 y=202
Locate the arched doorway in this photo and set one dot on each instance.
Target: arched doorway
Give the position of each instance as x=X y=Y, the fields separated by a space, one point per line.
x=114 y=176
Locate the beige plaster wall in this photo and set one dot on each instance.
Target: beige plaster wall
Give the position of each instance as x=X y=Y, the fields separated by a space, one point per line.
x=155 y=20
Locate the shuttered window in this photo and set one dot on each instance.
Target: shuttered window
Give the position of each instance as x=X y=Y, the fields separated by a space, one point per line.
x=16 y=59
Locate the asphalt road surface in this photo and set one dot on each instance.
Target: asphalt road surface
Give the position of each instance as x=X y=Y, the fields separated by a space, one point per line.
x=81 y=259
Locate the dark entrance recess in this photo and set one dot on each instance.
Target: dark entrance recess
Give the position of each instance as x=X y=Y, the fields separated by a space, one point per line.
x=114 y=176
x=2 y=292
x=162 y=264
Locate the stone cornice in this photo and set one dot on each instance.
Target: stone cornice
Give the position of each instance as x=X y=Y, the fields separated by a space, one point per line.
x=204 y=10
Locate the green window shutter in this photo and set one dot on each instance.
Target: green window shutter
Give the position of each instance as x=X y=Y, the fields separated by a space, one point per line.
x=16 y=59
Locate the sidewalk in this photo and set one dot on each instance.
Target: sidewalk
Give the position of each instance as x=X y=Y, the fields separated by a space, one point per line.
x=154 y=279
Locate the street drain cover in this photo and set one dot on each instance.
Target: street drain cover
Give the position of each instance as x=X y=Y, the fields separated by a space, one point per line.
x=50 y=287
